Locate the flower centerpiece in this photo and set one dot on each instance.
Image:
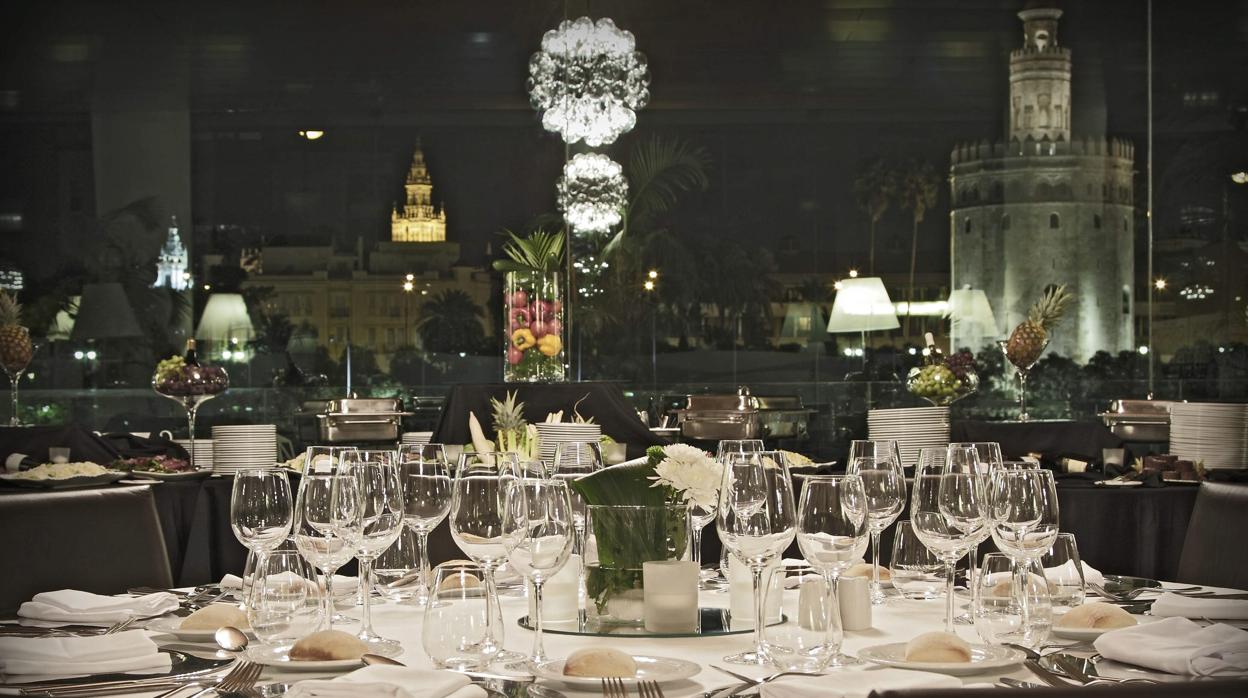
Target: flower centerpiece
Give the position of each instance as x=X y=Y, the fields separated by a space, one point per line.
x=533 y=307
x=640 y=513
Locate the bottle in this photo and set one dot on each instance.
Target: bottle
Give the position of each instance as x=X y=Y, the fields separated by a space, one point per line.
x=933 y=355
x=191 y=358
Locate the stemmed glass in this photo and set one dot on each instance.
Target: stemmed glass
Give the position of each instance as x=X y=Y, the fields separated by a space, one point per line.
x=573 y=461
x=1023 y=513
x=427 y=500
x=478 y=509
x=883 y=449
x=285 y=604
x=314 y=517
x=885 y=486
x=14 y=362
x=367 y=504
x=757 y=520
x=1022 y=367
x=729 y=447
x=260 y=511
x=832 y=532
x=538 y=532
x=946 y=513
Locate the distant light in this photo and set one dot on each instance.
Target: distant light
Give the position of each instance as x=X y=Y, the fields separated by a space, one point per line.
x=927 y=352
x=407 y=286
x=1160 y=284
x=914 y=351
x=186 y=275
x=91 y=354
x=838 y=285
x=424 y=292
x=853 y=273
x=78 y=355
x=849 y=351
x=1143 y=349
x=233 y=340
x=226 y=354
x=1240 y=177
x=649 y=285
x=1221 y=350
x=207 y=287
x=858 y=351
x=311 y=134
x=654 y=274
x=410 y=277
x=462 y=354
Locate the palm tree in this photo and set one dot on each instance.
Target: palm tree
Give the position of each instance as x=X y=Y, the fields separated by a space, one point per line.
x=660 y=171
x=917 y=193
x=874 y=189
x=450 y=323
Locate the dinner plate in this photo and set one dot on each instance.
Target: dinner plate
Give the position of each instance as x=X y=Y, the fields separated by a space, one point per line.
x=1119 y=483
x=279 y=657
x=199 y=474
x=1081 y=634
x=168 y=625
x=63 y=483
x=660 y=669
x=983 y=658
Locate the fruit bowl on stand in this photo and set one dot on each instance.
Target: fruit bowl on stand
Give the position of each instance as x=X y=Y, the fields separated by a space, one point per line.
x=1022 y=367
x=1031 y=337
x=190 y=385
x=941 y=385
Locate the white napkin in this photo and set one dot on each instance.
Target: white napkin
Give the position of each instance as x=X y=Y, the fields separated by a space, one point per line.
x=1179 y=646
x=84 y=607
x=131 y=650
x=1090 y=574
x=856 y=684
x=390 y=682
x=1168 y=605
x=342 y=585
x=796 y=581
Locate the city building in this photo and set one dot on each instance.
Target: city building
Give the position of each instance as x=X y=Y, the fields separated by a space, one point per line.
x=1046 y=207
x=419 y=220
x=171 y=263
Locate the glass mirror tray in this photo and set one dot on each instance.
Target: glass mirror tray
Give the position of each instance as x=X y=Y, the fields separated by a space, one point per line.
x=713 y=621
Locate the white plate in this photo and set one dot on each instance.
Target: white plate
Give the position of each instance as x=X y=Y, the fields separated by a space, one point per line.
x=661 y=669
x=168 y=625
x=1081 y=634
x=1119 y=483
x=279 y=657
x=983 y=658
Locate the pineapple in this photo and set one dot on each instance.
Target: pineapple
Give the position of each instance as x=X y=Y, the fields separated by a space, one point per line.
x=510 y=429
x=1028 y=340
x=15 y=346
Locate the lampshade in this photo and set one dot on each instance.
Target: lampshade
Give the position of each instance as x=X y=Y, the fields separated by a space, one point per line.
x=225 y=318
x=971 y=314
x=803 y=321
x=104 y=313
x=862 y=305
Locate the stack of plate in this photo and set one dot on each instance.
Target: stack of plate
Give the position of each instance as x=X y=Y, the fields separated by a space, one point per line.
x=202 y=458
x=1215 y=434
x=416 y=438
x=550 y=435
x=913 y=428
x=241 y=446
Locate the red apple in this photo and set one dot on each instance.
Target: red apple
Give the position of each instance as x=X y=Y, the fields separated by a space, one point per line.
x=553 y=326
x=519 y=298
x=540 y=329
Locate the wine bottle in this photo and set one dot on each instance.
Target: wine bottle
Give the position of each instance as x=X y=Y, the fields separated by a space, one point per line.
x=191 y=358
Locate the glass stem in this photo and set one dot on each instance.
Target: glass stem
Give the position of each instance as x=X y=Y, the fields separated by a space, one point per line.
x=696 y=552
x=835 y=633
x=14 y=378
x=190 y=429
x=366 y=586
x=760 y=610
x=539 y=653
x=949 y=572
x=329 y=597
x=1022 y=396
x=876 y=592
x=422 y=559
x=491 y=645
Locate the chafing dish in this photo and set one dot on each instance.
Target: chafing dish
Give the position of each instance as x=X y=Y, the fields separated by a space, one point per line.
x=743 y=416
x=1139 y=420
x=361 y=419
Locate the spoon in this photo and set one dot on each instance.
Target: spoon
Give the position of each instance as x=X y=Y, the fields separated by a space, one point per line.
x=230 y=638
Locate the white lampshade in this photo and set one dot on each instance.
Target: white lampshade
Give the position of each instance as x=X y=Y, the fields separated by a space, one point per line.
x=802 y=321
x=225 y=318
x=971 y=314
x=862 y=305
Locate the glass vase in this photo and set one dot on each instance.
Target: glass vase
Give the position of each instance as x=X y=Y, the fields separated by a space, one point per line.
x=625 y=537
x=533 y=324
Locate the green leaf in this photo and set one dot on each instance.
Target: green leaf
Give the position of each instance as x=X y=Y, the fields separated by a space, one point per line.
x=621 y=485
x=541 y=251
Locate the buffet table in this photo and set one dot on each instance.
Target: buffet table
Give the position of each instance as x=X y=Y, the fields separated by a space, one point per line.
x=1054 y=438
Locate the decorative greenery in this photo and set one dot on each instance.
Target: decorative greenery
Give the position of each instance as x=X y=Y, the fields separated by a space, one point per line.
x=450 y=323
x=541 y=251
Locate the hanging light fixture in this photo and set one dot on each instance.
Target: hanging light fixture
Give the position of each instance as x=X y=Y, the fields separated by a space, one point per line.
x=588 y=80
x=592 y=193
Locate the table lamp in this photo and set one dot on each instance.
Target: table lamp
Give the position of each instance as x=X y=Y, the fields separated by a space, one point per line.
x=104 y=313
x=862 y=305
x=225 y=319
x=971 y=318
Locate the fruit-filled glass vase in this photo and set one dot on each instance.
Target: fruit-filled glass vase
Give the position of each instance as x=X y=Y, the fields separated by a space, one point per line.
x=185 y=381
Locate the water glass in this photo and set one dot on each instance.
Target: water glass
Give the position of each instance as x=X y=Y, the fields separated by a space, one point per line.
x=456 y=628
x=883 y=449
x=1064 y=571
x=1024 y=511
x=367 y=502
x=1012 y=603
x=285 y=602
x=916 y=570
x=261 y=510
x=884 y=484
x=946 y=512
x=395 y=571
x=314 y=533
x=538 y=535
x=427 y=500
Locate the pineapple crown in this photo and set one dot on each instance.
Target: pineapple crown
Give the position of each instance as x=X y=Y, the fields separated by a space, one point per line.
x=10 y=309
x=1051 y=306
x=507 y=413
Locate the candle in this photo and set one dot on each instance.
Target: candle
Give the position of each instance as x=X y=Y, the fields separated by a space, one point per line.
x=741 y=592
x=560 y=593
x=671 y=596
x=855 y=600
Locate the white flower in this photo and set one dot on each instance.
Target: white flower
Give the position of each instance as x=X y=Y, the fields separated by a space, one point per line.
x=691 y=473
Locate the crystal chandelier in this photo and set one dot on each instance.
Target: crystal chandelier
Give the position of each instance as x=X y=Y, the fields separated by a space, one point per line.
x=592 y=193
x=588 y=80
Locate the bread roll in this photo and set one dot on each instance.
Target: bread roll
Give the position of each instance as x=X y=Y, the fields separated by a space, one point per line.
x=599 y=662
x=938 y=647
x=1096 y=616
x=215 y=616
x=863 y=569
x=327 y=645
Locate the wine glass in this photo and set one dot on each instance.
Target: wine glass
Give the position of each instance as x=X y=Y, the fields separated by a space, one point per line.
x=573 y=461
x=1064 y=572
x=1024 y=511
x=427 y=496
x=367 y=503
x=261 y=511
x=916 y=571
x=948 y=535
x=457 y=619
x=314 y=532
x=982 y=458
x=883 y=449
x=538 y=532
x=885 y=486
x=478 y=508
x=729 y=447
x=14 y=358
x=833 y=527
x=1011 y=608
x=757 y=520
x=285 y=599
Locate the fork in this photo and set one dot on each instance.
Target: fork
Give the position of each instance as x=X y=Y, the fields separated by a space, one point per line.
x=649 y=689
x=241 y=678
x=119 y=626
x=614 y=688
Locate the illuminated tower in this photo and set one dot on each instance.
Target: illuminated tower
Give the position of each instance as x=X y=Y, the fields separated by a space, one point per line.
x=418 y=221
x=171 y=262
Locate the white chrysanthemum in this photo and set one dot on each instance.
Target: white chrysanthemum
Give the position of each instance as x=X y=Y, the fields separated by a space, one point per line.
x=691 y=473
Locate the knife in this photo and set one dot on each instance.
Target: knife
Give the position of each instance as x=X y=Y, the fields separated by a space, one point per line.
x=1045 y=675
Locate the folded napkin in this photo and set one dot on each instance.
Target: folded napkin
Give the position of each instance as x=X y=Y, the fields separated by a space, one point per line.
x=1168 y=605
x=131 y=650
x=84 y=607
x=856 y=684
x=1179 y=646
x=390 y=682
x=1090 y=574
x=342 y=585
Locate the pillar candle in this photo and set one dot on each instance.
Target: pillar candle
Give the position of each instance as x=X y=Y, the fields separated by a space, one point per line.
x=671 y=596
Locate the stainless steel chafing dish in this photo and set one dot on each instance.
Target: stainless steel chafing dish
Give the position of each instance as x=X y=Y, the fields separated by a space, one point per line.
x=361 y=419
x=1139 y=420
x=743 y=416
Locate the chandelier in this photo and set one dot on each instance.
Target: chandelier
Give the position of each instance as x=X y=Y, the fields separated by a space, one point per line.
x=592 y=193
x=588 y=80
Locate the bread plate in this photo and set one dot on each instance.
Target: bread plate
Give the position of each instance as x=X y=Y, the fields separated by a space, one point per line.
x=660 y=669
x=983 y=658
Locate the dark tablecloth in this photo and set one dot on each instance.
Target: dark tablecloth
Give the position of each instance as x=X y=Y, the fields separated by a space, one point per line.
x=1056 y=439
x=603 y=402
x=35 y=441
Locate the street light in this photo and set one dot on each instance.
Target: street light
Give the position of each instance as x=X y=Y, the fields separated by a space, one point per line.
x=853 y=273
x=1240 y=177
x=407 y=302
x=1160 y=284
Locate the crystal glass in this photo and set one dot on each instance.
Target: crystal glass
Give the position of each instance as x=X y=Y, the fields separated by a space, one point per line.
x=15 y=356
x=885 y=486
x=728 y=447
x=915 y=569
x=261 y=510
x=947 y=515
x=457 y=621
x=883 y=449
x=396 y=571
x=313 y=531
x=573 y=461
x=285 y=602
x=478 y=508
x=1012 y=603
x=984 y=458
x=367 y=503
x=757 y=520
x=1024 y=511
x=833 y=527
x=538 y=533
x=427 y=500
x=1022 y=371
x=1063 y=571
